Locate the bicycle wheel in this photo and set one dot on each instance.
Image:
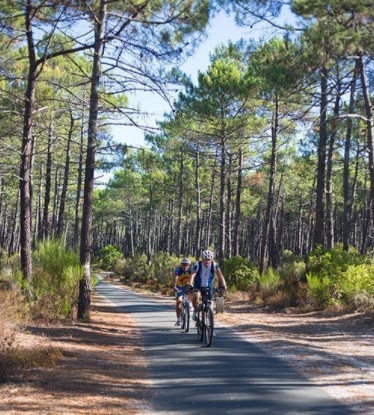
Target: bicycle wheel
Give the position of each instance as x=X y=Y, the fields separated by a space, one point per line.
x=183 y=317
x=186 y=325
x=199 y=326
x=209 y=325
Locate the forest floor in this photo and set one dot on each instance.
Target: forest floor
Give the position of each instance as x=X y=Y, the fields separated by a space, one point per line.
x=103 y=369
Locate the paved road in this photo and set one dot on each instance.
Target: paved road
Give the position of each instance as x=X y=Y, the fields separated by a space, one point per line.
x=232 y=377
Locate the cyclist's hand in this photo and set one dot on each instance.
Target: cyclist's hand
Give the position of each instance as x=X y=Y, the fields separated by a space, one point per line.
x=222 y=289
x=189 y=287
x=176 y=288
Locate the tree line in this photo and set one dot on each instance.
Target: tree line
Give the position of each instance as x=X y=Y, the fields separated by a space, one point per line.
x=271 y=149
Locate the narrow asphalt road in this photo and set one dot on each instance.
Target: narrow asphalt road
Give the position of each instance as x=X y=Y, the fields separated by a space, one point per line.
x=232 y=377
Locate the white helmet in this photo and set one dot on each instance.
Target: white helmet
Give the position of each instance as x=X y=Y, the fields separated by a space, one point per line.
x=207 y=254
x=185 y=261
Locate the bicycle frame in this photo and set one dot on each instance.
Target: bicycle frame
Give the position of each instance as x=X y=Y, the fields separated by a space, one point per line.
x=205 y=318
x=185 y=314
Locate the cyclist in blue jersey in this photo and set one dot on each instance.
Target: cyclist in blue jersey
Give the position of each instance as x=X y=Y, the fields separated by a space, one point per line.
x=181 y=279
x=202 y=276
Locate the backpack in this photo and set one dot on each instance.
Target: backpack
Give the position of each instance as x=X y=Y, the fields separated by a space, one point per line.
x=197 y=277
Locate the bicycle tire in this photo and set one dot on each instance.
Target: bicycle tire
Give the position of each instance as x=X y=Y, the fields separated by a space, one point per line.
x=187 y=317
x=183 y=318
x=209 y=325
x=199 y=326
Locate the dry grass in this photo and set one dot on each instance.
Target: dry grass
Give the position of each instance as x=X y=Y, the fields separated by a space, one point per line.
x=97 y=367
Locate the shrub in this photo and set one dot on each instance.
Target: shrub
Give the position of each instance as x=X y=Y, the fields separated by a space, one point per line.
x=319 y=290
x=135 y=268
x=14 y=312
x=162 y=267
x=18 y=358
x=269 y=283
x=332 y=262
x=336 y=276
x=356 y=280
x=56 y=280
x=239 y=274
x=109 y=255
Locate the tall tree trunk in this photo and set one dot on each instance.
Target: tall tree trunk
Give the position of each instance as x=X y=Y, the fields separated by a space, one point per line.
x=369 y=131
x=198 y=205
x=222 y=202
x=26 y=156
x=347 y=194
x=86 y=242
x=319 y=227
x=45 y=226
x=61 y=213
x=266 y=243
x=79 y=189
x=330 y=234
x=237 y=219
x=229 y=210
x=180 y=204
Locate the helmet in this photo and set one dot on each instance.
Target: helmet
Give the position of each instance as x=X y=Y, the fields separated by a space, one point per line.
x=185 y=261
x=207 y=255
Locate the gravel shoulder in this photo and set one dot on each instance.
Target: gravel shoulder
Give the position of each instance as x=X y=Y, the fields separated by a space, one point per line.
x=334 y=350
x=103 y=367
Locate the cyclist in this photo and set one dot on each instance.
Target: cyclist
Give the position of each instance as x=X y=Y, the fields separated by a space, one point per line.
x=202 y=276
x=181 y=279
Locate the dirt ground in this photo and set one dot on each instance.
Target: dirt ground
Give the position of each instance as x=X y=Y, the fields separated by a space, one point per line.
x=103 y=369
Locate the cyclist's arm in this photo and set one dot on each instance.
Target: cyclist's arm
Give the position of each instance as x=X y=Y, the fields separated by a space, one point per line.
x=175 y=281
x=221 y=279
x=192 y=278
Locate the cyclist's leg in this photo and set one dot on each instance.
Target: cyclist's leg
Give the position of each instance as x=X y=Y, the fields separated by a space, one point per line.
x=209 y=327
x=195 y=302
x=178 y=305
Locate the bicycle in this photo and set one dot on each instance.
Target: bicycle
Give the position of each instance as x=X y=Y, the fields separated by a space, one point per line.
x=205 y=317
x=185 y=312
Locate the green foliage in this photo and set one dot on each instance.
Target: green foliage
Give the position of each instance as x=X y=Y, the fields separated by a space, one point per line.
x=109 y=255
x=269 y=283
x=332 y=262
x=292 y=267
x=162 y=267
x=239 y=273
x=356 y=280
x=56 y=280
x=337 y=276
x=319 y=290
x=135 y=268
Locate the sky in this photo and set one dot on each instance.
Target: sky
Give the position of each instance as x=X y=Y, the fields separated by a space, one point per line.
x=222 y=29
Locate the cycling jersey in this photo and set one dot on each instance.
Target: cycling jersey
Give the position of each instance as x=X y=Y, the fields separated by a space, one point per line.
x=204 y=275
x=183 y=278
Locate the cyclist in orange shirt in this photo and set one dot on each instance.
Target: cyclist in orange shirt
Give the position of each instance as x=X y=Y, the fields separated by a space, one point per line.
x=181 y=279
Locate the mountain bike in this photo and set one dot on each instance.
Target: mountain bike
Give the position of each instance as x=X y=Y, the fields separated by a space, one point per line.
x=205 y=317
x=185 y=313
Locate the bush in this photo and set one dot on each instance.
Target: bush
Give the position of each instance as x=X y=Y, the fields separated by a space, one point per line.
x=319 y=290
x=357 y=281
x=135 y=268
x=162 y=268
x=109 y=255
x=56 y=281
x=269 y=283
x=332 y=262
x=239 y=273
x=337 y=276
x=14 y=312
x=18 y=358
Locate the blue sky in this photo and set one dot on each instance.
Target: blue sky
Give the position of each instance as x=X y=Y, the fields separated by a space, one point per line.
x=222 y=29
